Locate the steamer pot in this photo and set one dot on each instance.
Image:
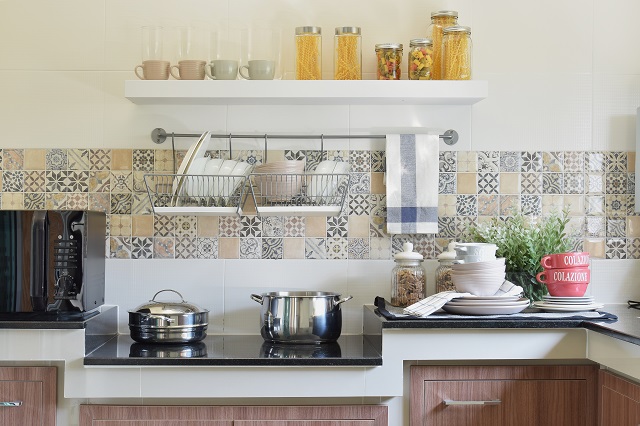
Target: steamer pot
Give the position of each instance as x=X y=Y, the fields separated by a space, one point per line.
x=168 y=322
x=303 y=317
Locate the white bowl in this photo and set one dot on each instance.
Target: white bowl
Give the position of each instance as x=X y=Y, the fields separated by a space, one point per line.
x=478 y=265
x=477 y=287
x=480 y=271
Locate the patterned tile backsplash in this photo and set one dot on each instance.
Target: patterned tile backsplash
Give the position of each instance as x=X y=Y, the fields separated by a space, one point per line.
x=596 y=187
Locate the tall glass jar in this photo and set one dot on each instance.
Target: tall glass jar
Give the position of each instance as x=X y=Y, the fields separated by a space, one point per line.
x=446 y=260
x=408 y=279
x=347 y=60
x=456 y=53
x=439 y=20
x=389 y=61
x=420 y=59
x=308 y=53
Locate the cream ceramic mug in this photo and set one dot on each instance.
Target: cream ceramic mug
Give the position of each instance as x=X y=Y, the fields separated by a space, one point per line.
x=259 y=70
x=191 y=69
x=153 y=70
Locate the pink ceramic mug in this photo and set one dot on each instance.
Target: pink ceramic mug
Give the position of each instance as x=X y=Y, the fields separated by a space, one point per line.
x=564 y=276
x=565 y=260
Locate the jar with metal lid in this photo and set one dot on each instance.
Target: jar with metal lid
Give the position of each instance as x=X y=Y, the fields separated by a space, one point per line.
x=420 y=59
x=439 y=20
x=443 y=273
x=308 y=53
x=456 y=53
x=408 y=279
x=389 y=61
x=347 y=61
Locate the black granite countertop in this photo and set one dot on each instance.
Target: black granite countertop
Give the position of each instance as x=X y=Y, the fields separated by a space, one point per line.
x=53 y=320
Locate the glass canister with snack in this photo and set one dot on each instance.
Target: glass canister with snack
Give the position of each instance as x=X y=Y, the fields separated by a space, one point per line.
x=389 y=61
x=439 y=20
x=347 y=54
x=308 y=53
x=408 y=278
x=420 y=59
x=456 y=53
x=446 y=260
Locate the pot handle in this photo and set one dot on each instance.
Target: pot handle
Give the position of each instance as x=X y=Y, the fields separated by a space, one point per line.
x=344 y=300
x=153 y=299
x=257 y=298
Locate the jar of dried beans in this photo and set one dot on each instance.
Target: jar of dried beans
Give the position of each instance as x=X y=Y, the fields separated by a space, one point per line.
x=456 y=53
x=389 y=61
x=308 y=53
x=347 y=61
x=408 y=279
x=420 y=59
x=439 y=20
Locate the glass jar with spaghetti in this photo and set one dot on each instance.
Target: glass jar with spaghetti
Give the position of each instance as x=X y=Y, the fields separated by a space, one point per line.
x=420 y=59
x=389 y=61
x=439 y=20
x=456 y=53
x=308 y=53
x=347 y=61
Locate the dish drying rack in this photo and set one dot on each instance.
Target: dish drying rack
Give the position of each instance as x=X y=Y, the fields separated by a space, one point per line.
x=272 y=194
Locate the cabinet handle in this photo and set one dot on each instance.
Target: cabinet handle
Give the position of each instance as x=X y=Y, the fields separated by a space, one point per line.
x=489 y=402
x=10 y=403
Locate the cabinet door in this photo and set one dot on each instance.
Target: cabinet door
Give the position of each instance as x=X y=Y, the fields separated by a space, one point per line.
x=499 y=395
x=303 y=423
x=338 y=415
x=619 y=401
x=28 y=396
x=141 y=415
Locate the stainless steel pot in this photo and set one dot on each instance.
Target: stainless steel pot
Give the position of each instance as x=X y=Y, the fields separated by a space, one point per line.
x=300 y=316
x=168 y=322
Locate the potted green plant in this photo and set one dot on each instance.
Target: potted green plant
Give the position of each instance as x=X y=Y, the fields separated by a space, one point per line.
x=522 y=241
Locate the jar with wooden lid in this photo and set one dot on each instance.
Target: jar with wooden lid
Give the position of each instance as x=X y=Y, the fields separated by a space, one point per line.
x=408 y=278
x=420 y=59
x=389 y=61
x=308 y=53
x=439 y=20
x=347 y=61
x=456 y=53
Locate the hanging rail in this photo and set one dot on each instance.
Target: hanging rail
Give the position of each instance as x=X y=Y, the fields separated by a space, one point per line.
x=159 y=135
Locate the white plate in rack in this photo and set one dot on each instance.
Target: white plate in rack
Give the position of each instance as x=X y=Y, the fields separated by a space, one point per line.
x=196 y=150
x=557 y=307
x=568 y=300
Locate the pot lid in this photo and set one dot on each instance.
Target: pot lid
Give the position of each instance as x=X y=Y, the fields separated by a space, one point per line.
x=161 y=307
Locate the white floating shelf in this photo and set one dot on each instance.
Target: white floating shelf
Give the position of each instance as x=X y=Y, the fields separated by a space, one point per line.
x=310 y=92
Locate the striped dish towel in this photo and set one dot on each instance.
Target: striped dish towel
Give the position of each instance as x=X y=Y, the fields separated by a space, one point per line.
x=412 y=183
x=427 y=306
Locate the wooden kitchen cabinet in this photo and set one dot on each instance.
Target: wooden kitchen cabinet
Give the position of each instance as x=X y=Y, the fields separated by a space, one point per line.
x=28 y=396
x=619 y=400
x=504 y=395
x=347 y=415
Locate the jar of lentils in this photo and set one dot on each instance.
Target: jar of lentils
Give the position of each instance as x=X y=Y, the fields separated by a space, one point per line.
x=408 y=279
x=420 y=59
x=439 y=20
x=389 y=61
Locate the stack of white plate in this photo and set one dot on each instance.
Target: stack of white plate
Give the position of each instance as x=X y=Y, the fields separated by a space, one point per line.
x=479 y=278
x=567 y=304
x=486 y=305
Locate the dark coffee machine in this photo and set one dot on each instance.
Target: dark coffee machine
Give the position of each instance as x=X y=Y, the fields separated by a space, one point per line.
x=51 y=261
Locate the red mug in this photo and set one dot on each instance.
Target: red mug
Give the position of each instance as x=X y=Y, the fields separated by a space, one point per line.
x=565 y=276
x=565 y=260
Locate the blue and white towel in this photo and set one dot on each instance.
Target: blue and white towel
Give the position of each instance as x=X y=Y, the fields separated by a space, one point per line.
x=412 y=183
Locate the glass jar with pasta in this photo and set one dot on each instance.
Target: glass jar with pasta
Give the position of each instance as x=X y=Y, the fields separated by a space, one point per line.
x=420 y=59
x=389 y=61
x=439 y=20
x=308 y=53
x=347 y=61
x=456 y=53
x=408 y=279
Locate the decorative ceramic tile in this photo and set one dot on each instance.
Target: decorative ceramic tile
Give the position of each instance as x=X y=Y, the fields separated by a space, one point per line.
x=463 y=224
x=121 y=181
x=360 y=161
x=99 y=181
x=141 y=204
x=397 y=243
x=378 y=161
x=78 y=159
x=143 y=160
x=314 y=158
x=12 y=159
x=78 y=201
x=360 y=183
x=448 y=161
x=631 y=183
x=379 y=248
x=531 y=205
x=250 y=248
x=358 y=205
x=100 y=159
x=616 y=205
x=163 y=247
x=488 y=183
x=119 y=225
x=315 y=248
x=121 y=203
x=141 y=248
x=163 y=161
x=573 y=162
x=531 y=183
x=447 y=205
x=594 y=205
x=488 y=161
x=34 y=201
x=138 y=182
x=252 y=156
x=13 y=181
x=616 y=248
x=295 y=155
x=337 y=226
x=163 y=226
x=358 y=248
x=616 y=183
x=58 y=181
x=293 y=226
x=120 y=247
x=273 y=226
x=251 y=226
x=446 y=227
x=616 y=162
x=447 y=183
x=337 y=248
x=56 y=159
x=552 y=183
x=230 y=226
x=207 y=248
x=576 y=244
x=552 y=203
x=574 y=183
x=272 y=248
x=530 y=161
x=594 y=162
x=337 y=155
x=594 y=183
x=100 y=202
x=34 y=181
x=488 y=205
x=467 y=161
x=14 y=201
x=553 y=162
x=616 y=228
x=425 y=245
x=79 y=181
x=377 y=226
x=633 y=248
x=509 y=161
x=467 y=205
x=185 y=226
x=1 y=159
